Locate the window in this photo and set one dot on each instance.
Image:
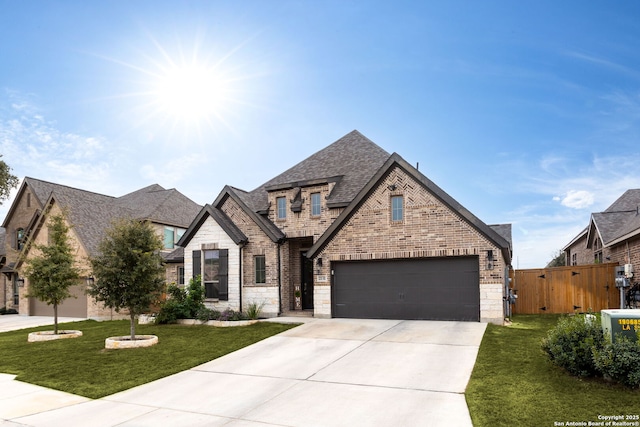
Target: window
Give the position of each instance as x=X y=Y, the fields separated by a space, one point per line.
x=260 y=268
x=169 y=237
x=574 y=259
x=397 y=208
x=19 y=239
x=16 y=291
x=282 y=207
x=180 y=275
x=212 y=265
x=28 y=200
x=315 y=204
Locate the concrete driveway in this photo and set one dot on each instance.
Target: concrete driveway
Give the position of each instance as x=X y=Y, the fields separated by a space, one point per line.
x=334 y=372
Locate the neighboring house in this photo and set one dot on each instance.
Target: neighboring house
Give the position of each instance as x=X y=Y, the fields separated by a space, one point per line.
x=89 y=215
x=611 y=236
x=351 y=231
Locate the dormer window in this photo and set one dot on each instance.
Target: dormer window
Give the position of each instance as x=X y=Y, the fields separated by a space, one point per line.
x=281 y=206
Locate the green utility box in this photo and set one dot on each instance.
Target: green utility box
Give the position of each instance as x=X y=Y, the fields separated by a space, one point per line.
x=625 y=322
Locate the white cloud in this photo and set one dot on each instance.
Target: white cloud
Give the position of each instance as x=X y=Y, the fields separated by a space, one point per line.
x=578 y=199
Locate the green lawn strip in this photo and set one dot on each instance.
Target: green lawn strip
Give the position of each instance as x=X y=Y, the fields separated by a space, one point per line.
x=82 y=366
x=513 y=383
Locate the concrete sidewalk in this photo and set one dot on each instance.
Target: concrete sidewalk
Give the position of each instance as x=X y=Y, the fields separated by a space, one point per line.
x=334 y=372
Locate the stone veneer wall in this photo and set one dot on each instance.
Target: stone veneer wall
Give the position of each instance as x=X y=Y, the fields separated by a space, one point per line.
x=210 y=233
x=429 y=229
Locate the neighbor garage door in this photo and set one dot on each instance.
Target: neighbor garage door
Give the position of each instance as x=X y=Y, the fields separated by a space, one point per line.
x=71 y=307
x=434 y=288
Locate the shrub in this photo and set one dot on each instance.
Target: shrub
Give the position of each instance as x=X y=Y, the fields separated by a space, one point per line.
x=229 y=314
x=182 y=303
x=571 y=343
x=254 y=309
x=4 y=310
x=206 y=314
x=620 y=361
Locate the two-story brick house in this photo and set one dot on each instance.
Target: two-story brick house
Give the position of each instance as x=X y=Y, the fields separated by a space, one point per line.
x=351 y=231
x=89 y=215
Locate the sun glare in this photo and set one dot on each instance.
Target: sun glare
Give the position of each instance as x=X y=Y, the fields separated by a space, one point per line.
x=190 y=93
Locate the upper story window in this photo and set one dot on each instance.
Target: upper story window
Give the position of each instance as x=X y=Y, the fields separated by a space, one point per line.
x=19 y=239
x=171 y=236
x=397 y=208
x=315 y=204
x=281 y=205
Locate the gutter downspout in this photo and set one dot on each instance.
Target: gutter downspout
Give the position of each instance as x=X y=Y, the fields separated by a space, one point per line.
x=240 y=277
x=279 y=243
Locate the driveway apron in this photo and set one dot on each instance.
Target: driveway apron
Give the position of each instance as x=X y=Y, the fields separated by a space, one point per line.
x=326 y=372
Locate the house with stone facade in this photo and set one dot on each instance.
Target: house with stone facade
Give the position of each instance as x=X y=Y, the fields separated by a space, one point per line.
x=352 y=232
x=611 y=236
x=89 y=214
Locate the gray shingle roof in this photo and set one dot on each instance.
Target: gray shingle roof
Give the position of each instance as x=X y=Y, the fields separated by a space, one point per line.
x=351 y=161
x=620 y=219
x=504 y=230
x=92 y=213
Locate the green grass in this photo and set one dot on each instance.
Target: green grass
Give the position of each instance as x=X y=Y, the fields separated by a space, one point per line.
x=82 y=365
x=513 y=382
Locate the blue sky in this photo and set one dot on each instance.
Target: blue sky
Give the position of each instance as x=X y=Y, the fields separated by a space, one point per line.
x=526 y=112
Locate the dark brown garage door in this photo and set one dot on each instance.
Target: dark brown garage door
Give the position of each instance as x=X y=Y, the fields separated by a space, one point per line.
x=71 y=307
x=434 y=289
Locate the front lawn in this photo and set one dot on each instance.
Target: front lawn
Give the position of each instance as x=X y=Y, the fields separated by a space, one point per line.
x=82 y=366
x=513 y=383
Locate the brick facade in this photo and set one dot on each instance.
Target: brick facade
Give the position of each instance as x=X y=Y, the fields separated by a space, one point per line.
x=94 y=310
x=355 y=181
x=429 y=229
x=24 y=208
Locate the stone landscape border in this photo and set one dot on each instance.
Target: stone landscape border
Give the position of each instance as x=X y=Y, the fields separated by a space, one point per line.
x=50 y=335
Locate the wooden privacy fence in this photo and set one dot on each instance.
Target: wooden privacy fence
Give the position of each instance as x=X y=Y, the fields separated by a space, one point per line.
x=566 y=289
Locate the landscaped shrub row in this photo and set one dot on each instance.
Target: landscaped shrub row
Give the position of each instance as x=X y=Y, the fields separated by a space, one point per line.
x=182 y=303
x=5 y=310
x=189 y=304
x=578 y=345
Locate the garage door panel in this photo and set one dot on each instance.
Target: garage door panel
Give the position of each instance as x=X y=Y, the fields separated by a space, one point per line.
x=74 y=306
x=435 y=288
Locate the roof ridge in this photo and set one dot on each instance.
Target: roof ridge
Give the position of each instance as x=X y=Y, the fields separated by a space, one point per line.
x=67 y=186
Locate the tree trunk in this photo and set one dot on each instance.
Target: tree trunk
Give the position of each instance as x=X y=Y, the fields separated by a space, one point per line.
x=133 y=325
x=55 y=319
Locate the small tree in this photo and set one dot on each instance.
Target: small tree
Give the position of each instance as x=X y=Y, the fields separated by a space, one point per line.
x=7 y=180
x=559 y=259
x=128 y=269
x=53 y=272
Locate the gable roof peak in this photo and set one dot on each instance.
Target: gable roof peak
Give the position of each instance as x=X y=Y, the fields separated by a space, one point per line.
x=354 y=158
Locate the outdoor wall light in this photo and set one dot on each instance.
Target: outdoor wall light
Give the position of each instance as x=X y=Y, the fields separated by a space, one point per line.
x=20 y=281
x=319 y=262
x=90 y=280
